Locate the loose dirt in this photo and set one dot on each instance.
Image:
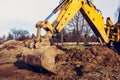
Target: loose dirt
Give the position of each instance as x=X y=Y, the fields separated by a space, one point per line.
x=93 y=63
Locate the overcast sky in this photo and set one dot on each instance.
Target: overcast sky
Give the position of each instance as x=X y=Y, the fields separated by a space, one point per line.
x=24 y=14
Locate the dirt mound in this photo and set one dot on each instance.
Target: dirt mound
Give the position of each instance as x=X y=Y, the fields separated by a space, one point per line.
x=99 y=55
x=95 y=59
x=94 y=63
x=9 y=51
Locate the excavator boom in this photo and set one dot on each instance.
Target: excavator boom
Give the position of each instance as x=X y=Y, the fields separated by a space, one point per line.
x=70 y=8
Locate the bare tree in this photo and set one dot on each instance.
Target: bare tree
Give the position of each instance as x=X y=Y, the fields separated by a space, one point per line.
x=63 y=34
x=78 y=26
x=19 y=33
x=2 y=39
x=32 y=36
x=10 y=36
x=87 y=31
x=117 y=13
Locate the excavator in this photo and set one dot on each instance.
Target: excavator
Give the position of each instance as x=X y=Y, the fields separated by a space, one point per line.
x=107 y=33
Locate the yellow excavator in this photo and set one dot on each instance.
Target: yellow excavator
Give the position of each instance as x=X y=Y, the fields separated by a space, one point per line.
x=107 y=34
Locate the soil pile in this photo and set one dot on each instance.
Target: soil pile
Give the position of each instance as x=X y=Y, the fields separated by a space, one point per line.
x=10 y=50
x=94 y=63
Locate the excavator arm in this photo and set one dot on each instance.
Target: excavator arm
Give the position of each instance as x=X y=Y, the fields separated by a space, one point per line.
x=68 y=9
x=96 y=21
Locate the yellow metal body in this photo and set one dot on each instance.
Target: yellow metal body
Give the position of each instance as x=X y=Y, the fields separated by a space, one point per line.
x=69 y=9
x=93 y=17
x=113 y=30
x=95 y=20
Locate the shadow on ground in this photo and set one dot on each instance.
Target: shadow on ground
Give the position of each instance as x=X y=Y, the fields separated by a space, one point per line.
x=36 y=69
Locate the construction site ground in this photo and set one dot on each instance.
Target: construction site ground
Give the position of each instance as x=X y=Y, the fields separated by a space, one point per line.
x=90 y=63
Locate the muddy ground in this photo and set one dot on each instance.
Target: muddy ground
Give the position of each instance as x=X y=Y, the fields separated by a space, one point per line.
x=93 y=63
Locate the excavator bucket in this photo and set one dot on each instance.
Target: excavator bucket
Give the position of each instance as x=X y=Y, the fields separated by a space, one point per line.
x=39 y=51
x=44 y=56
